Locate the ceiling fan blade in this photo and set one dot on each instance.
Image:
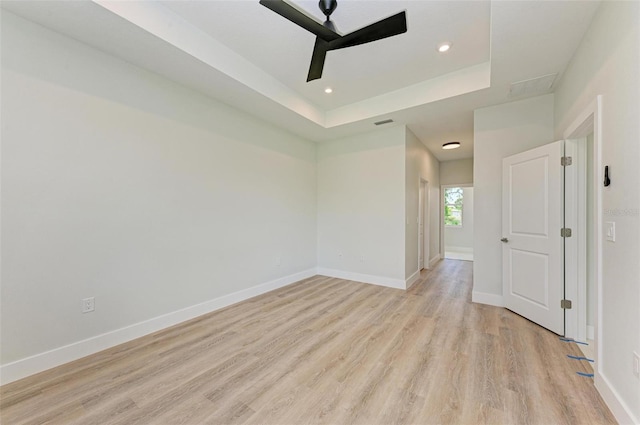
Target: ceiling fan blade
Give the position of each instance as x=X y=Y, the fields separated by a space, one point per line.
x=388 y=27
x=317 y=59
x=299 y=18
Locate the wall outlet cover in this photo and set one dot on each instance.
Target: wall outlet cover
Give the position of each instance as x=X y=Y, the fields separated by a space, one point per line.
x=88 y=305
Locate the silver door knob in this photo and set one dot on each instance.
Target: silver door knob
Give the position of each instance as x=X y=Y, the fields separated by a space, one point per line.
x=505 y=240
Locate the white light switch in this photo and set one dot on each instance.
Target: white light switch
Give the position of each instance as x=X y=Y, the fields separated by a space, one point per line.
x=610 y=230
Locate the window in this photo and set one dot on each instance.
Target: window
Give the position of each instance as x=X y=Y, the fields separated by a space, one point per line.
x=453 y=206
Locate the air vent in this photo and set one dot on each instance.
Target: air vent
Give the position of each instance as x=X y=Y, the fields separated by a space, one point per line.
x=535 y=86
x=383 y=122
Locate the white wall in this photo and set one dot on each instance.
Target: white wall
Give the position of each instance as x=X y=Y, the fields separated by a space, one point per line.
x=607 y=63
x=420 y=164
x=500 y=131
x=121 y=185
x=361 y=201
x=457 y=238
x=459 y=171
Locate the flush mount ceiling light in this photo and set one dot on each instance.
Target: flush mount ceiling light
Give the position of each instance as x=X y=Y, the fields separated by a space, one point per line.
x=328 y=90
x=443 y=47
x=451 y=145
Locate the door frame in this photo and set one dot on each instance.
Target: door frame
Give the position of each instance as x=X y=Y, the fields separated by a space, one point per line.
x=575 y=247
x=587 y=122
x=423 y=184
x=442 y=203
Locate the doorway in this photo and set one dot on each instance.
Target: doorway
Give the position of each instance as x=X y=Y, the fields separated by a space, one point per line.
x=581 y=252
x=423 y=225
x=581 y=234
x=457 y=201
x=583 y=279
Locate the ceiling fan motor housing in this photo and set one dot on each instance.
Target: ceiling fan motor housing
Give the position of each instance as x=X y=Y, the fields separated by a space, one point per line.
x=327 y=7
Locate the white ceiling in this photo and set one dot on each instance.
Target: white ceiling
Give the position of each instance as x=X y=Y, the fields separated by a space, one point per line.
x=283 y=49
x=251 y=58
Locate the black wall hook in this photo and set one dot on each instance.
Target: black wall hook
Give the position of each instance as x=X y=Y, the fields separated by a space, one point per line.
x=607 y=180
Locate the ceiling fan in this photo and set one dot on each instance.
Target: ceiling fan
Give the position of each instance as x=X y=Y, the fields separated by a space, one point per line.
x=328 y=38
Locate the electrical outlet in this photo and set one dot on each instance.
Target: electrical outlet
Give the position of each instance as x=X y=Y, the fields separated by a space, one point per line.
x=636 y=365
x=88 y=304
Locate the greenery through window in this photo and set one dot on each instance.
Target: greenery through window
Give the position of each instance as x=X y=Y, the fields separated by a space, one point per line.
x=453 y=206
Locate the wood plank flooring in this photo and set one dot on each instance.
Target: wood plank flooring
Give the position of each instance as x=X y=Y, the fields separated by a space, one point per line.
x=327 y=351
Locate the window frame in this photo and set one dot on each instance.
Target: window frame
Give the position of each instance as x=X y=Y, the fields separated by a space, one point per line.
x=445 y=204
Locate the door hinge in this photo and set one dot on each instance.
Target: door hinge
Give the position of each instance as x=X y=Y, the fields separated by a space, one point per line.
x=565 y=304
x=566 y=160
x=565 y=232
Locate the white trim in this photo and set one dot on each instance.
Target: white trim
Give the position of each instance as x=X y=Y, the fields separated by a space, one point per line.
x=612 y=399
x=575 y=247
x=596 y=107
x=590 y=120
x=40 y=362
x=426 y=221
x=582 y=239
x=486 y=298
x=364 y=278
x=591 y=332
x=412 y=279
x=575 y=217
x=435 y=260
x=465 y=249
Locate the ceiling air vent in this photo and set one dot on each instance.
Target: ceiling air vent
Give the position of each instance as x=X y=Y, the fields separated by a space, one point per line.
x=383 y=122
x=535 y=86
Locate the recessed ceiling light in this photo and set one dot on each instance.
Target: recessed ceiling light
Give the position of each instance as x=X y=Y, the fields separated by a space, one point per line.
x=328 y=90
x=451 y=145
x=443 y=47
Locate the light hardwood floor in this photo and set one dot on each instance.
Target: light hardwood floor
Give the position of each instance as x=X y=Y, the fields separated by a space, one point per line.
x=327 y=351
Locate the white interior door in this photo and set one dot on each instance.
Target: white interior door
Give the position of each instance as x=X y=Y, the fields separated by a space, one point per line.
x=421 y=227
x=532 y=251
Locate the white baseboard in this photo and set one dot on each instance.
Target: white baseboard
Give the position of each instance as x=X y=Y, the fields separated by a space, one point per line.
x=365 y=278
x=40 y=362
x=412 y=279
x=486 y=298
x=618 y=407
x=434 y=260
x=591 y=332
x=466 y=249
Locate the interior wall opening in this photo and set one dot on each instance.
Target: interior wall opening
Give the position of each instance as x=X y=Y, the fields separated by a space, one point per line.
x=458 y=222
x=423 y=225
